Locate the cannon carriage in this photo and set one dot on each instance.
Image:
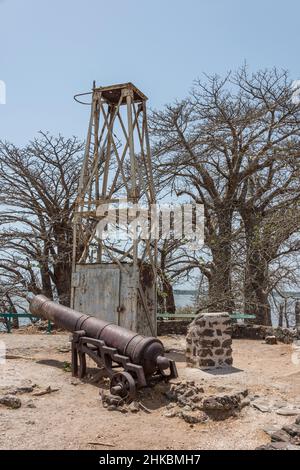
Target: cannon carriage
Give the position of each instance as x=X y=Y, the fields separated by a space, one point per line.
x=114 y=347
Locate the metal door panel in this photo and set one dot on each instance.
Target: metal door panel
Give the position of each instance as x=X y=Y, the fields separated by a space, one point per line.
x=97 y=291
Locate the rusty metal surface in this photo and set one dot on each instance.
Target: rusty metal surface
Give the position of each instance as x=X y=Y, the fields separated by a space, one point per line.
x=119 y=302
x=89 y=295
x=141 y=357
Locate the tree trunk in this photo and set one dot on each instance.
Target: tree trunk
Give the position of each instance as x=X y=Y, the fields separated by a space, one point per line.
x=63 y=263
x=46 y=281
x=256 y=294
x=169 y=300
x=256 y=300
x=280 y=315
x=297 y=314
x=286 y=317
x=12 y=309
x=166 y=299
x=62 y=273
x=220 y=289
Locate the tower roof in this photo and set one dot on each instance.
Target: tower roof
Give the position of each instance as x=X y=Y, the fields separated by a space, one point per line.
x=112 y=93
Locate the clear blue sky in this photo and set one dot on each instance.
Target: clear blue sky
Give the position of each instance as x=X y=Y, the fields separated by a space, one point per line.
x=51 y=49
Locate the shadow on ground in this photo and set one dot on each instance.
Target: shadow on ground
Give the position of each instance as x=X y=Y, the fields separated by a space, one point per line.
x=223 y=371
x=176 y=354
x=152 y=397
x=94 y=375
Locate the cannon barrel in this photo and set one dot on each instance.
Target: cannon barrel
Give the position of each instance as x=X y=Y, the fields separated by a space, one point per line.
x=147 y=352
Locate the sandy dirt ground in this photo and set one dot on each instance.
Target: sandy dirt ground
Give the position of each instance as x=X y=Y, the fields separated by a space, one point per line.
x=73 y=417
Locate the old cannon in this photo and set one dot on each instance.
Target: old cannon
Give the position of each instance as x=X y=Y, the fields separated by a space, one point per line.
x=109 y=345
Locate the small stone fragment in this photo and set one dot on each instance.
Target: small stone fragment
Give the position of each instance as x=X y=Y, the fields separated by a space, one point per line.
x=171 y=405
x=296 y=440
x=170 y=413
x=10 y=401
x=222 y=403
x=245 y=402
x=280 y=436
x=75 y=382
x=292 y=429
x=111 y=407
x=287 y=411
x=278 y=446
x=21 y=390
x=122 y=409
x=264 y=407
x=270 y=340
x=30 y=404
x=134 y=407
x=194 y=418
x=280 y=404
x=108 y=399
x=187 y=408
x=271 y=429
x=170 y=395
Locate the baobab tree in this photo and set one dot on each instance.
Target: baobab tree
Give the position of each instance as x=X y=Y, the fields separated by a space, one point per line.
x=213 y=147
x=38 y=186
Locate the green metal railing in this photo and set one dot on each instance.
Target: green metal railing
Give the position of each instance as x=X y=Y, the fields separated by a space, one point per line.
x=9 y=317
x=188 y=316
x=241 y=316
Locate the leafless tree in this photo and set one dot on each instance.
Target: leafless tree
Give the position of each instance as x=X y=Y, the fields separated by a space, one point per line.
x=233 y=146
x=38 y=185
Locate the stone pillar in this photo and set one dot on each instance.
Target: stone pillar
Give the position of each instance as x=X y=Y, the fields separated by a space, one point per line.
x=208 y=341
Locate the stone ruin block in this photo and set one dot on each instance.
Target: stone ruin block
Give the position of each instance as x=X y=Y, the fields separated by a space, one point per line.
x=208 y=341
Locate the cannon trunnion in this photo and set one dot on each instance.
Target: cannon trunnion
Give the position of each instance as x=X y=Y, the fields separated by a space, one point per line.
x=109 y=345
